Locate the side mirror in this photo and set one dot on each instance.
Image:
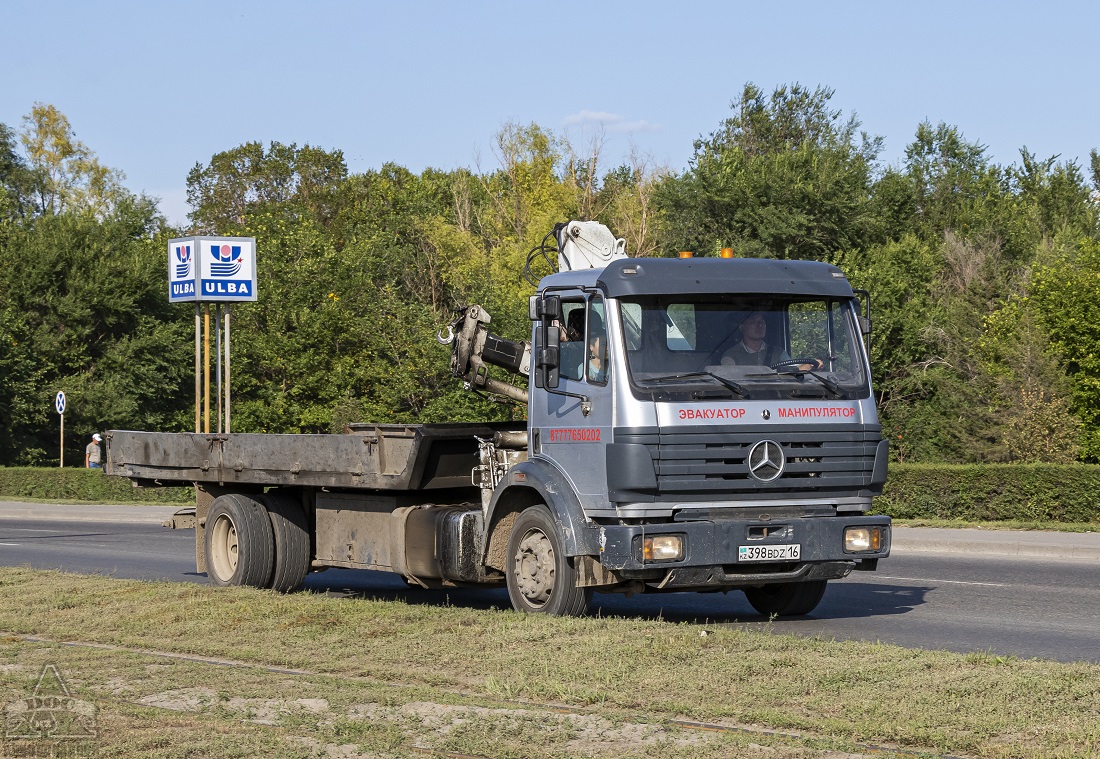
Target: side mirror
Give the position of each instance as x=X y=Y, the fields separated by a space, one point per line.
x=546 y=309
x=549 y=308
x=863 y=310
x=547 y=362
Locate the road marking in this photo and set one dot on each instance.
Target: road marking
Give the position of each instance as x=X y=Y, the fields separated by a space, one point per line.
x=951 y=582
x=11 y=544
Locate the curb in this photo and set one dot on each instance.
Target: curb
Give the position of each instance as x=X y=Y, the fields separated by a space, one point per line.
x=1069 y=546
x=87 y=512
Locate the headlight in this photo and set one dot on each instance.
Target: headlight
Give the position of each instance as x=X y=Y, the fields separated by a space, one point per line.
x=862 y=539
x=663 y=548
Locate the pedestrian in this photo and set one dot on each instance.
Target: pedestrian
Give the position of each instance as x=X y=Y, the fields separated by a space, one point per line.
x=92 y=456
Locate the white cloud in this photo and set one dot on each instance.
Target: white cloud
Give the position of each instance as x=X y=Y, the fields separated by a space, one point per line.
x=592 y=117
x=610 y=122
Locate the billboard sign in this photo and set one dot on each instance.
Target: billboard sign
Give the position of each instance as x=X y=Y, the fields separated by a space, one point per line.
x=181 y=271
x=227 y=268
x=208 y=269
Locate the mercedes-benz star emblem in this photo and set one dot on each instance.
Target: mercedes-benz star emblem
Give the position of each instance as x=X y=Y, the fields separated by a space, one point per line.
x=766 y=461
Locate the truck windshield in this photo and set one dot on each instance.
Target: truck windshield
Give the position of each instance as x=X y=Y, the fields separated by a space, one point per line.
x=744 y=346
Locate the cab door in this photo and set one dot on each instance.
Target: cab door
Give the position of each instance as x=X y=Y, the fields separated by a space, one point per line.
x=570 y=432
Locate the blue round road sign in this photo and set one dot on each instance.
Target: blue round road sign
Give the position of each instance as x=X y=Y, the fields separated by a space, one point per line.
x=59 y=402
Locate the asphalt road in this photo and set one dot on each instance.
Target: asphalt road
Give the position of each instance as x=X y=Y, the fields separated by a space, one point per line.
x=1014 y=605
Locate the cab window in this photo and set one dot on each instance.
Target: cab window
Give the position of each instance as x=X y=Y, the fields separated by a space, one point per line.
x=571 y=347
x=596 y=344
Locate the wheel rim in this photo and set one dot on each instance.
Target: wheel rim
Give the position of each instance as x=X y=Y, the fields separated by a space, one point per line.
x=224 y=547
x=535 y=568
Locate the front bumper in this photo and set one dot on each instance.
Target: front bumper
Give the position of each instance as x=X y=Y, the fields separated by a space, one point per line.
x=711 y=549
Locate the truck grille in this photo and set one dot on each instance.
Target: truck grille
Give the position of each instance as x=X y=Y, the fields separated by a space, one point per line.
x=704 y=460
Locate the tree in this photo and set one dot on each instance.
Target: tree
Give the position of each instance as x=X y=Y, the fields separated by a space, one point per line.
x=948 y=174
x=1066 y=294
x=66 y=175
x=955 y=188
x=786 y=176
x=1056 y=193
x=526 y=192
x=1041 y=428
x=349 y=308
x=1032 y=390
x=982 y=276
x=84 y=309
x=249 y=180
x=628 y=197
x=16 y=180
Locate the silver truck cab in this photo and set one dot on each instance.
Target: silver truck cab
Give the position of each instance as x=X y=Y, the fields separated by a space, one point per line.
x=696 y=461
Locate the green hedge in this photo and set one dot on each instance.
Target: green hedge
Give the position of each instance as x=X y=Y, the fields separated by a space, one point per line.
x=993 y=492
x=979 y=492
x=75 y=484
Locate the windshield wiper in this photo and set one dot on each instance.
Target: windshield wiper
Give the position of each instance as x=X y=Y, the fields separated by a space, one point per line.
x=739 y=389
x=832 y=386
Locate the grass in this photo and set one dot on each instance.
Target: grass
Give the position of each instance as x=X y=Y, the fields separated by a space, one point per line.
x=147 y=707
x=397 y=678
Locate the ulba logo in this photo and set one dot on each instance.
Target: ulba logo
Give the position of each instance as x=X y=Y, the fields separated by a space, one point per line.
x=183 y=258
x=227 y=260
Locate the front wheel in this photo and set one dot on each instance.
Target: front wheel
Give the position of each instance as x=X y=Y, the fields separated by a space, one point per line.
x=786 y=599
x=541 y=578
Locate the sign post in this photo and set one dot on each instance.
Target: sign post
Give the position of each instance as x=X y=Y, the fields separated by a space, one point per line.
x=204 y=270
x=59 y=404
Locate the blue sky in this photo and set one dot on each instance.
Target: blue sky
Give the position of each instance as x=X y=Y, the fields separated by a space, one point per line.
x=154 y=88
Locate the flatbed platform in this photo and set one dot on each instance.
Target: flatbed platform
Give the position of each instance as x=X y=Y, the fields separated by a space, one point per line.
x=368 y=457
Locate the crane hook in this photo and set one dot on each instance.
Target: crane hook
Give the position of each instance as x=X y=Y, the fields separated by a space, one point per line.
x=447 y=338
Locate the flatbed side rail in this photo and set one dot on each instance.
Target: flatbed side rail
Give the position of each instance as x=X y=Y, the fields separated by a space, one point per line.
x=374 y=457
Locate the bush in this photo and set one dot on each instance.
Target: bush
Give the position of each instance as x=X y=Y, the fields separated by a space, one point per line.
x=993 y=492
x=970 y=492
x=75 y=484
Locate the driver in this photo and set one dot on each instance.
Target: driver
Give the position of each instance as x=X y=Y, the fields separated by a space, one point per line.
x=753 y=349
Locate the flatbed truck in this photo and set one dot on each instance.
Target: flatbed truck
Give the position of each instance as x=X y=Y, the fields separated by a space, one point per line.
x=660 y=453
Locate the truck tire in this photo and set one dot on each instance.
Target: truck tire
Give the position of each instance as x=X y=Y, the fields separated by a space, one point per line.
x=787 y=599
x=239 y=545
x=290 y=532
x=541 y=578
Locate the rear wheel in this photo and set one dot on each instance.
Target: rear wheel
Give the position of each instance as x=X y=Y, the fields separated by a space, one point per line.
x=787 y=599
x=290 y=532
x=239 y=545
x=541 y=578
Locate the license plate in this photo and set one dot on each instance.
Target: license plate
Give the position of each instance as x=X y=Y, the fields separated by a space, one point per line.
x=789 y=552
